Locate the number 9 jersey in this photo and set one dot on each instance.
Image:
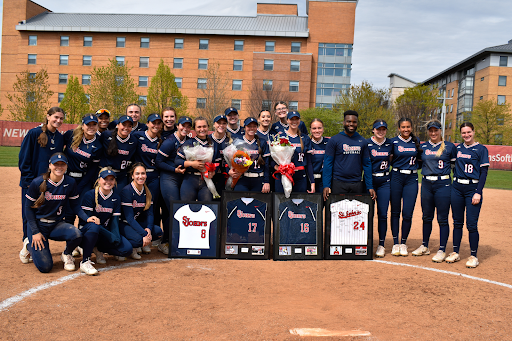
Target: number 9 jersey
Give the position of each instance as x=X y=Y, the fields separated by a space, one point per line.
x=434 y=165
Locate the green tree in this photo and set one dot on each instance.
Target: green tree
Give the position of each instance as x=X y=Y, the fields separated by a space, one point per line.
x=163 y=92
x=112 y=88
x=31 y=98
x=492 y=122
x=333 y=124
x=75 y=102
x=260 y=98
x=214 y=92
x=369 y=102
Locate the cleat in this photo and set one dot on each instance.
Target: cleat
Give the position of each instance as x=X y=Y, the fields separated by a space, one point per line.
x=439 y=257
x=135 y=255
x=78 y=251
x=452 y=258
x=99 y=256
x=87 y=268
x=381 y=251
x=163 y=248
x=403 y=250
x=24 y=253
x=422 y=250
x=69 y=262
x=395 y=251
x=138 y=249
x=146 y=249
x=472 y=262
x=120 y=258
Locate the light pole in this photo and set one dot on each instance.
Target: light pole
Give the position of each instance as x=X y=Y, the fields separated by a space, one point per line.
x=443 y=111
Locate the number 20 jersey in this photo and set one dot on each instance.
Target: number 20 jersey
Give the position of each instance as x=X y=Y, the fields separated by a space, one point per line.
x=349 y=222
x=297 y=222
x=246 y=222
x=194 y=227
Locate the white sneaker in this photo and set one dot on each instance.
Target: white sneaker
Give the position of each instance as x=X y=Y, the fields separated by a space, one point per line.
x=99 y=256
x=452 y=258
x=78 y=251
x=163 y=248
x=87 y=268
x=69 y=262
x=381 y=251
x=422 y=250
x=395 y=251
x=138 y=249
x=24 y=253
x=439 y=257
x=472 y=262
x=135 y=255
x=403 y=250
x=146 y=249
x=120 y=258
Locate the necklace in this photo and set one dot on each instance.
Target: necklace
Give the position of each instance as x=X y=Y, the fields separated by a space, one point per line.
x=52 y=136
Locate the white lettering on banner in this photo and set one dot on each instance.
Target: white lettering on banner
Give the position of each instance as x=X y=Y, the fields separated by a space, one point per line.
x=500 y=158
x=14 y=132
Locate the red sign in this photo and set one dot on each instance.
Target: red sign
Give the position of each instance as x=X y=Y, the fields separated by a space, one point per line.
x=500 y=157
x=12 y=133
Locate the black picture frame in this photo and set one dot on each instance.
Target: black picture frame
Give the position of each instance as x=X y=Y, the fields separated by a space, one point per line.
x=242 y=235
x=288 y=245
x=349 y=241
x=190 y=244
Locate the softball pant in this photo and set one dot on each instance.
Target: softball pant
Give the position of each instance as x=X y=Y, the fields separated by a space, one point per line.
x=194 y=188
x=436 y=195
x=461 y=197
x=300 y=183
x=382 y=187
x=133 y=235
x=403 y=186
x=246 y=184
x=170 y=184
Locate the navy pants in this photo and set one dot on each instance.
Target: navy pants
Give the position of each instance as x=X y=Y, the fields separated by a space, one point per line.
x=153 y=183
x=170 y=184
x=382 y=187
x=300 y=183
x=246 y=184
x=435 y=195
x=404 y=187
x=194 y=188
x=24 y=191
x=319 y=185
x=122 y=180
x=60 y=231
x=123 y=249
x=461 y=201
x=133 y=235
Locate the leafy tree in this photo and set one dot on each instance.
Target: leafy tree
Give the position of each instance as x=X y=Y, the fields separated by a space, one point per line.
x=75 y=103
x=260 y=99
x=31 y=98
x=163 y=92
x=112 y=88
x=333 y=121
x=369 y=102
x=492 y=122
x=214 y=91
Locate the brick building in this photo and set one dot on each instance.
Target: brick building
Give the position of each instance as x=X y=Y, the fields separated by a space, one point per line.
x=308 y=56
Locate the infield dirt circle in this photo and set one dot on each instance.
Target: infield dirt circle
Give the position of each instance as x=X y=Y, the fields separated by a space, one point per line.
x=262 y=300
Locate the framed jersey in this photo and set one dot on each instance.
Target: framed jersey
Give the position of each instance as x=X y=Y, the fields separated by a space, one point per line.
x=194 y=231
x=298 y=226
x=246 y=224
x=349 y=227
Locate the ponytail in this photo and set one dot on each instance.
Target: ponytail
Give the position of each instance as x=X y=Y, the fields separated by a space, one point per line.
x=112 y=149
x=42 y=188
x=260 y=161
x=78 y=134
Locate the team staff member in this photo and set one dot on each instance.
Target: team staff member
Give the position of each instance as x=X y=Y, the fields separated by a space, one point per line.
x=47 y=198
x=135 y=112
x=469 y=178
x=346 y=156
x=380 y=151
x=281 y=126
x=404 y=183
x=437 y=159
x=103 y=120
x=318 y=144
x=221 y=139
x=169 y=119
x=264 y=119
x=233 y=123
x=37 y=147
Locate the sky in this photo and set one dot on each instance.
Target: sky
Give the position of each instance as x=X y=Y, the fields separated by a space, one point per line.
x=416 y=39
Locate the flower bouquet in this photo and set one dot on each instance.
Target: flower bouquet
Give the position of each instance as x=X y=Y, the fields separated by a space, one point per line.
x=282 y=152
x=205 y=154
x=236 y=156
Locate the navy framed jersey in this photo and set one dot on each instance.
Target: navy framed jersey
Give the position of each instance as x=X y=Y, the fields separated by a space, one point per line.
x=349 y=226
x=298 y=226
x=246 y=224
x=194 y=231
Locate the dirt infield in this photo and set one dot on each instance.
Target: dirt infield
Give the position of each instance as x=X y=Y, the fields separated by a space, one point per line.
x=261 y=300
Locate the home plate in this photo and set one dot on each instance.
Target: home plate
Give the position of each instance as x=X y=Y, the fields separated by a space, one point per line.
x=325 y=332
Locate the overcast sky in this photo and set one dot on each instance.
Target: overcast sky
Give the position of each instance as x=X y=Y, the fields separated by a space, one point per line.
x=414 y=38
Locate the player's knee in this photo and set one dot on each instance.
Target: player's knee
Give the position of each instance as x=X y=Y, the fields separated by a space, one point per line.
x=427 y=219
x=45 y=264
x=472 y=228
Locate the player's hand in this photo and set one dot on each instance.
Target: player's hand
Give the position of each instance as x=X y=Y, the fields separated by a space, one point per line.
x=180 y=170
x=37 y=241
x=146 y=241
x=94 y=219
x=326 y=192
x=476 y=199
x=234 y=173
x=373 y=194
x=312 y=188
x=266 y=188
x=149 y=233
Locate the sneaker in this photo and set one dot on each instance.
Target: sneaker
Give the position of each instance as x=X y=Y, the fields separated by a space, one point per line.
x=138 y=249
x=135 y=255
x=24 y=253
x=395 y=251
x=78 y=251
x=146 y=249
x=472 y=262
x=69 y=262
x=156 y=242
x=381 y=251
x=439 y=257
x=403 y=250
x=163 y=248
x=120 y=258
x=422 y=250
x=452 y=258
x=87 y=268
x=99 y=256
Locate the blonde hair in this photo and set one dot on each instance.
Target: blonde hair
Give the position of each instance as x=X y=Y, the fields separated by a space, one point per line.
x=443 y=145
x=97 y=185
x=148 y=192
x=78 y=134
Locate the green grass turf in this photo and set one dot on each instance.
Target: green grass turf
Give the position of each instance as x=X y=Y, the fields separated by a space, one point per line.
x=9 y=156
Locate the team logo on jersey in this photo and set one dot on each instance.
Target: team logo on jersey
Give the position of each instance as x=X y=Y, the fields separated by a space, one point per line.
x=315 y=151
x=403 y=149
x=188 y=222
x=376 y=153
x=138 y=204
x=348 y=214
x=241 y=214
x=430 y=152
x=145 y=148
x=81 y=152
x=292 y=215
x=464 y=156
x=123 y=152
x=100 y=208
x=351 y=149
x=49 y=196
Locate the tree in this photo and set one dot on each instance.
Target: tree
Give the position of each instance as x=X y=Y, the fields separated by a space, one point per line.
x=163 y=92
x=260 y=99
x=332 y=122
x=492 y=122
x=31 y=98
x=369 y=102
x=112 y=88
x=214 y=92
x=75 y=103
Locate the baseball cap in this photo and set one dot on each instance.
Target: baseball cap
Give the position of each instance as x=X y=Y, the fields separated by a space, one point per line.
x=102 y=111
x=154 y=117
x=124 y=118
x=89 y=118
x=379 y=124
x=293 y=114
x=434 y=124
x=106 y=173
x=230 y=110
x=220 y=117
x=184 y=119
x=249 y=120
x=58 y=157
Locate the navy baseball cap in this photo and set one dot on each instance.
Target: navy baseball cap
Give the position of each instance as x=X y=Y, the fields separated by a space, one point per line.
x=125 y=118
x=103 y=111
x=434 y=124
x=293 y=114
x=58 y=157
x=154 y=117
x=379 y=124
x=106 y=173
x=249 y=120
x=220 y=117
x=184 y=119
x=89 y=118
x=230 y=110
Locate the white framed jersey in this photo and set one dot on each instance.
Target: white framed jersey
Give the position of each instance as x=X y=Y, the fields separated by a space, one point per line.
x=349 y=222
x=194 y=227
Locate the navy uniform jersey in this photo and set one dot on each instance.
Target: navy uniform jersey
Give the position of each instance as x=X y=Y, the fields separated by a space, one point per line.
x=180 y=156
x=437 y=166
x=469 y=161
x=34 y=159
x=348 y=153
x=108 y=206
x=317 y=154
x=219 y=145
x=380 y=154
x=133 y=203
x=264 y=135
x=86 y=154
x=279 y=127
x=252 y=149
x=237 y=133
x=126 y=150
x=299 y=157
x=246 y=221
x=404 y=153
x=136 y=127
x=167 y=153
x=297 y=222
x=167 y=133
x=147 y=149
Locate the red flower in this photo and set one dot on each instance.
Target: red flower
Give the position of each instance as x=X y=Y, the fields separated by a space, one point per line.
x=283 y=141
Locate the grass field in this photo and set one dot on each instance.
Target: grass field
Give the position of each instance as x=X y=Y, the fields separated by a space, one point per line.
x=496 y=178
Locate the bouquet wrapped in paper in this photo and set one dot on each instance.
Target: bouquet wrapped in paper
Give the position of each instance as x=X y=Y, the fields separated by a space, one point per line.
x=238 y=159
x=282 y=152
x=204 y=154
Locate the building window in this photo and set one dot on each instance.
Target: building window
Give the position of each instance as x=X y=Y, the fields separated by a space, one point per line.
x=481 y=97
x=64 y=40
x=237 y=85
x=267 y=84
x=63 y=59
x=32 y=40
x=293 y=106
x=201 y=103
x=335 y=50
x=236 y=103
x=502 y=81
x=294 y=65
x=330 y=89
x=202 y=64
x=238 y=65
x=88 y=98
x=178 y=43
x=178 y=82
x=178 y=63
x=86 y=79
x=268 y=65
x=63 y=78
x=120 y=42
x=32 y=59
x=239 y=45
x=144 y=62
x=482 y=79
x=120 y=60
x=498 y=139
x=60 y=97
x=270 y=46
x=266 y=104
x=294 y=86
x=453 y=91
x=143 y=100
x=503 y=60
x=87 y=41
x=501 y=99
x=203 y=44
x=334 y=69
x=500 y=121
x=32 y=77
x=451 y=107
x=87 y=60
x=119 y=80
x=201 y=83
x=296 y=47
x=143 y=81
x=144 y=43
